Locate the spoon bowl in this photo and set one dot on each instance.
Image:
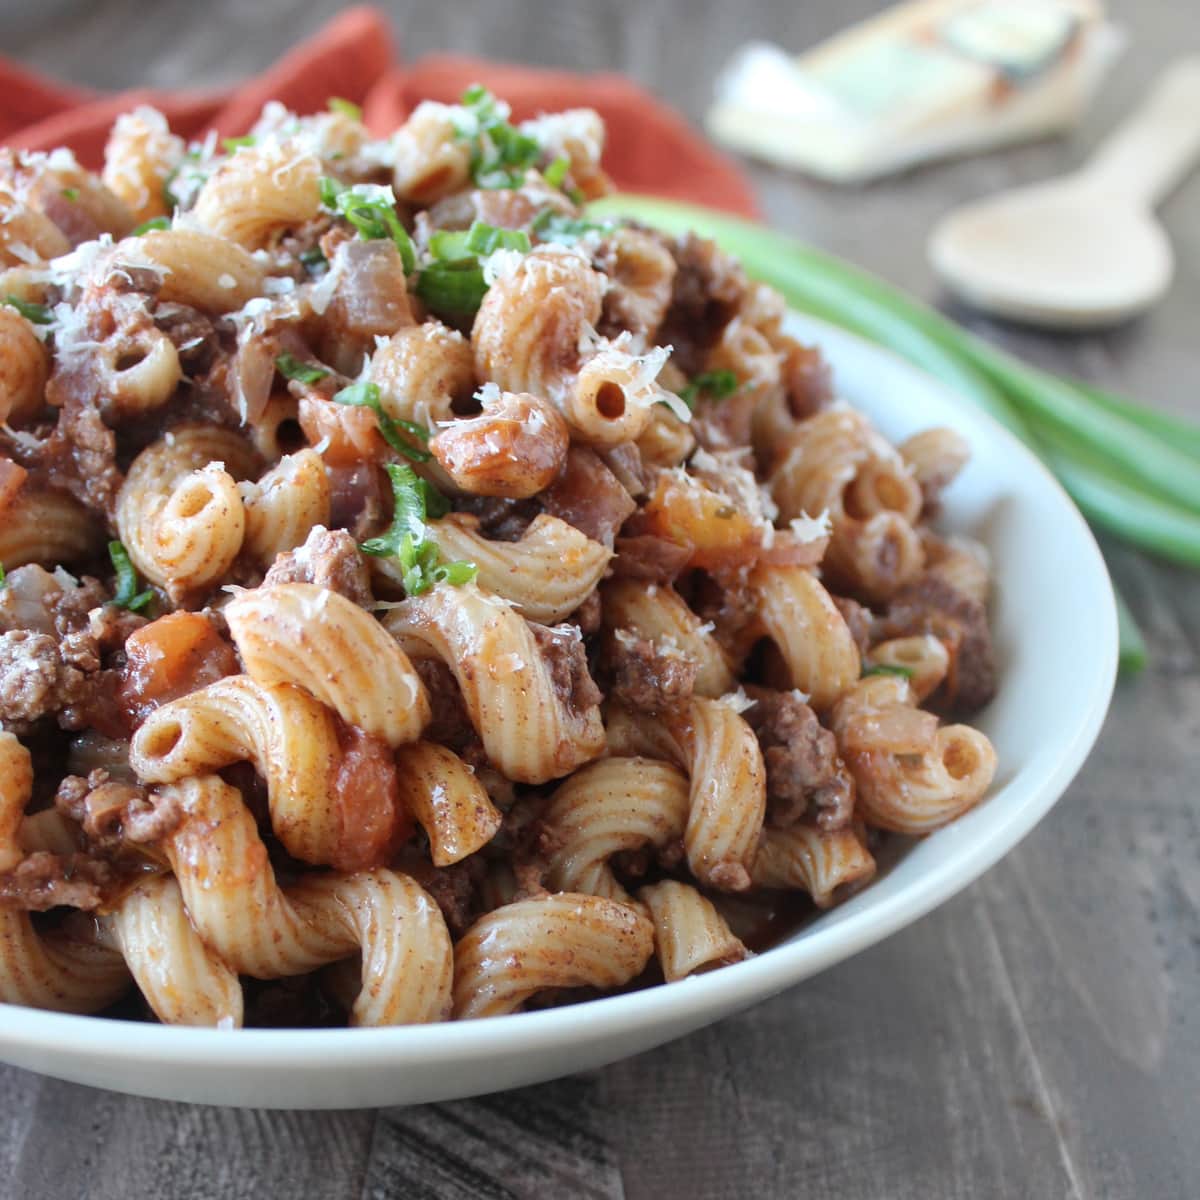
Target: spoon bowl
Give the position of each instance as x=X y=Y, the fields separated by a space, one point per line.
x=1051 y=254
x=1083 y=251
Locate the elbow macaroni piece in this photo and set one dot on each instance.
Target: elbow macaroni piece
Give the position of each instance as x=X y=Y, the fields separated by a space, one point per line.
x=554 y=941
x=289 y=736
x=611 y=805
x=234 y=900
x=727 y=782
x=139 y=158
x=182 y=980
x=24 y=367
x=284 y=505
x=45 y=527
x=837 y=463
x=431 y=159
x=27 y=237
x=546 y=575
x=259 y=192
x=935 y=457
x=797 y=614
x=307 y=635
x=531 y=334
x=422 y=371
x=448 y=801
x=913 y=790
x=208 y=272
x=923 y=656
x=689 y=934
x=530 y=732
x=515 y=448
x=179 y=512
x=827 y=864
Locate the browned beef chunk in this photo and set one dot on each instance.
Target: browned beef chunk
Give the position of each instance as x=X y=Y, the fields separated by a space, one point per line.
x=806 y=780
x=932 y=605
x=647 y=677
x=330 y=559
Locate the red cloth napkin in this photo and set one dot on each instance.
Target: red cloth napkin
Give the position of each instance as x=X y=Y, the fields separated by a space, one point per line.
x=650 y=147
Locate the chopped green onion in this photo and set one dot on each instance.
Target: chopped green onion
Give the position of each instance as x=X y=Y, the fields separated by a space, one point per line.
x=3 y=576
x=36 y=314
x=453 y=288
x=551 y=226
x=556 y=172
x=371 y=210
x=720 y=385
x=151 y=225
x=232 y=145
x=415 y=501
x=346 y=108
x=500 y=153
x=887 y=669
x=366 y=395
x=71 y=194
x=291 y=367
x=127 y=595
x=454 y=283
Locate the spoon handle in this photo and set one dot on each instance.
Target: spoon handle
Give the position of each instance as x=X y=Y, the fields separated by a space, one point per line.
x=1154 y=149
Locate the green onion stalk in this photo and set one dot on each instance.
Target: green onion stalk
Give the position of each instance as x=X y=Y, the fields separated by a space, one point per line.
x=1134 y=472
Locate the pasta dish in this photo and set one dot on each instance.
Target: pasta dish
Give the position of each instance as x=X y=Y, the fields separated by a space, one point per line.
x=422 y=600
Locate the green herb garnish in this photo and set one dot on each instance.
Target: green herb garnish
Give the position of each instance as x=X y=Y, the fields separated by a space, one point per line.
x=416 y=502
x=371 y=209
x=556 y=172
x=71 y=194
x=3 y=577
x=346 y=108
x=720 y=385
x=36 y=314
x=454 y=284
x=291 y=367
x=479 y=241
x=551 y=226
x=500 y=153
x=127 y=595
x=888 y=669
x=232 y=145
x=155 y=223
x=366 y=395
x=453 y=288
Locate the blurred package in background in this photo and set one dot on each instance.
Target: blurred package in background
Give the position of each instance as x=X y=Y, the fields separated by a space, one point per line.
x=924 y=80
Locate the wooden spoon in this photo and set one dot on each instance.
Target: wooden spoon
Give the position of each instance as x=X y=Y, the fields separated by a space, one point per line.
x=1084 y=250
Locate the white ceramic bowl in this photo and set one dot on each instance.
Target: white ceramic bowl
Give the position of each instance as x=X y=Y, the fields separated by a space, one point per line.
x=1055 y=628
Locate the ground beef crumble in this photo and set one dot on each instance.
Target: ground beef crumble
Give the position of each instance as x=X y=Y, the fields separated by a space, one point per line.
x=561 y=647
x=43 y=881
x=646 y=677
x=330 y=559
x=931 y=605
x=806 y=780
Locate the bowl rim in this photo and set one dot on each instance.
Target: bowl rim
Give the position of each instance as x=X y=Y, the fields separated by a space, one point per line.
x=724 y=991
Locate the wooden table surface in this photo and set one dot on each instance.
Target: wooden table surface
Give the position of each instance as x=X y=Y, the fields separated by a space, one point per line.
x=1038 y=1036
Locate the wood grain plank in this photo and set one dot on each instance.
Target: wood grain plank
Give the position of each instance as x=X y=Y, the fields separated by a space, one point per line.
x=78 y=1141
x=534 y=1144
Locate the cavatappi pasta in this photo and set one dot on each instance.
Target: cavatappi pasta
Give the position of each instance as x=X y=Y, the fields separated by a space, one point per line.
x=422 y=601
